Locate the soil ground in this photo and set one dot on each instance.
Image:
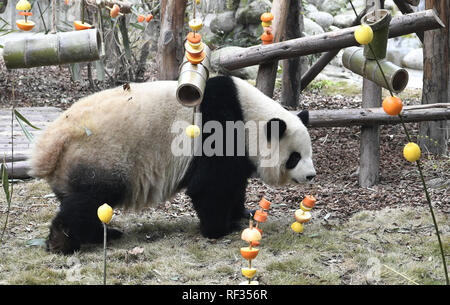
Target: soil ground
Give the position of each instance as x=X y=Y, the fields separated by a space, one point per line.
x=378 y=235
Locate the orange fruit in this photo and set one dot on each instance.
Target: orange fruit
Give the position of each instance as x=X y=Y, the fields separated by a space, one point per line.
x=267 y=37
x=114 y=11
x=141 y=18
x=194 y=37
x=267 y=17
x=260 y=216
x=81 y=26
x=251 y=234
x=392 y=105
x=264 y=203
x=25 y=25
x=309 y=201
x=248 y=253
x=149 y=17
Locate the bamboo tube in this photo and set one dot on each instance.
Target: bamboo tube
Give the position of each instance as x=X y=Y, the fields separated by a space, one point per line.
x=52 y=49
x=354 y=60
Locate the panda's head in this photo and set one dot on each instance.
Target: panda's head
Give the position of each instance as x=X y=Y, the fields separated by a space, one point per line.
x=291 y=149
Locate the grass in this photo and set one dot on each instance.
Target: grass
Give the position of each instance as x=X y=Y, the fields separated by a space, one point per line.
x=351 y=252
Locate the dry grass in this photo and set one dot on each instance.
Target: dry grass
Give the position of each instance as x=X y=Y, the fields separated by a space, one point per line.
x=364 y=249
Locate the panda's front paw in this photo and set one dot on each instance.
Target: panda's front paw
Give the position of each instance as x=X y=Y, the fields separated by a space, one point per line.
x=60 y=241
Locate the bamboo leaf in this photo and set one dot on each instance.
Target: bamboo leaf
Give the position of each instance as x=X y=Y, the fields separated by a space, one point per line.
x=20 y=116
x=29 y=136
x=5 y=182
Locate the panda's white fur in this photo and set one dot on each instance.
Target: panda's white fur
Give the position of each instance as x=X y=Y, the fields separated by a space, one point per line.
x=126 y=134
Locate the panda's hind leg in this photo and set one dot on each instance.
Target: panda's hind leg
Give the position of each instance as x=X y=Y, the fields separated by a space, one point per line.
x=76 y=222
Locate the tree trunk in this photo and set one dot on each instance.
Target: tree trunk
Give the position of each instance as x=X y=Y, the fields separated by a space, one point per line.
x=292 y=68
x=267 y=72
x=436 y=78
x=170 y=46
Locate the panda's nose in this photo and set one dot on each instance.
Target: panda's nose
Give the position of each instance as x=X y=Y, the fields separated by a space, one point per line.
x=310 y=177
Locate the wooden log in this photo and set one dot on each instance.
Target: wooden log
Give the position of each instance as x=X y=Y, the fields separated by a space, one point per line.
x=376 y=116
x=292 y=68
x=170 y=45
x=324 y=60
x=436 y=80
x=405 y=8
x=339 y=39
x=19 y=170
x=267 y=72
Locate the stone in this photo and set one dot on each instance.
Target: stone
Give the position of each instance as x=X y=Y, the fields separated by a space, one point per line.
x=223 y=23
x=414 y=59
x=311 y=28
x=310 y=8
x=344 y=20
x=251 y=13
x=323 y=19
x=244 y=73
x=332 y=6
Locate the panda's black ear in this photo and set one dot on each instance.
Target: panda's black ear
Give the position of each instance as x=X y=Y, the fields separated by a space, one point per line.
x=304 y=116
x=275 y=123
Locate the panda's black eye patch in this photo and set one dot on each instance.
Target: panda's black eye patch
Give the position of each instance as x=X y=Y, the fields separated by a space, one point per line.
x=294 y=158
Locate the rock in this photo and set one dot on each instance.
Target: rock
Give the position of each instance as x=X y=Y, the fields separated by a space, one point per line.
x=323 y=19
x=310 y=8
x=357 y=4
x=251 y=13
x=223 y=23
x=344 y=20
x=312 y=28
x=332 y=6
x=244 y=73
x=414 y=59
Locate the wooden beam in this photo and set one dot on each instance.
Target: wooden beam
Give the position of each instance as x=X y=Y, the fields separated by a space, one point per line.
x=324 y=60
x=377 y=116
x=255 y=55
x=405 y=8
x=267 y=72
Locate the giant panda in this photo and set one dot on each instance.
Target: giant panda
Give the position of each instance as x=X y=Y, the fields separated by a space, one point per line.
x=116 y=147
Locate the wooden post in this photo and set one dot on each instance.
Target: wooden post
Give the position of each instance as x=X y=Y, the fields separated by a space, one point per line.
x=267 y=72
x=369 y=154
x=369 y=162
x=170 y=45
x=292 y=68
x=436 y=79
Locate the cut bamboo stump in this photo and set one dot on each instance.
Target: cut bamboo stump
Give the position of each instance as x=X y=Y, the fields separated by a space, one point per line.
x=255 y=55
